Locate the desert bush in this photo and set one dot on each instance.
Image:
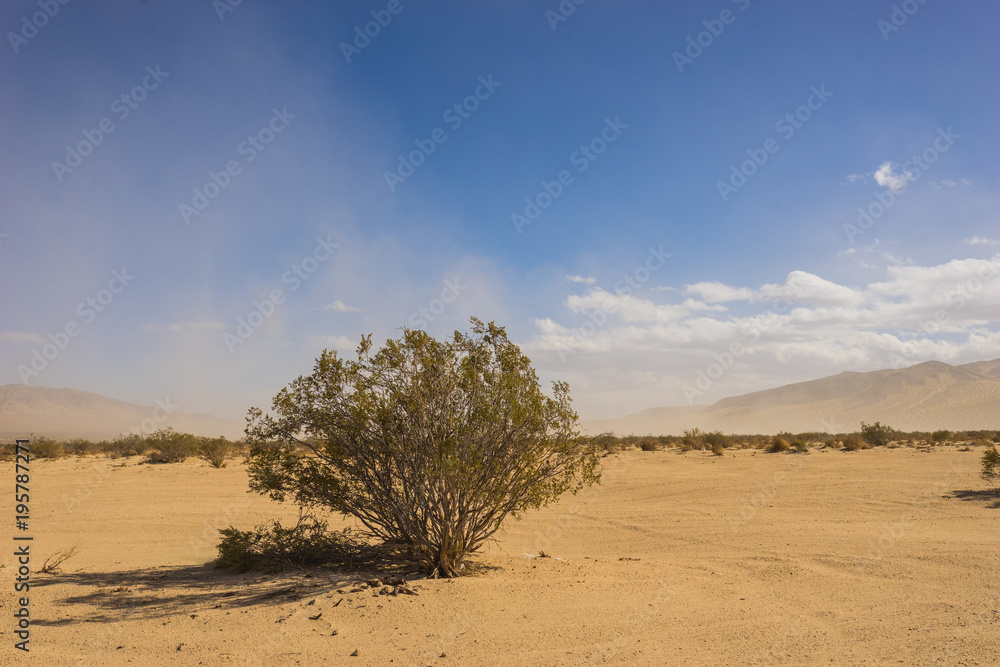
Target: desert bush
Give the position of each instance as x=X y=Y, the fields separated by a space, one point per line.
x=79 y=446
x=718 y=449
x=427 y=444
x=46 y=448
x=800 y=447
x=608 y=442
x=778 y=445
x=169 y=446
x=830 y=443
x=132 y=444
x=650 y=445
x=991 y=464
x=215 y=451
x=693 y=438
x=940 y=436
x=853 y=443
x=716 y=438
x=272 y=548
x=877 y=434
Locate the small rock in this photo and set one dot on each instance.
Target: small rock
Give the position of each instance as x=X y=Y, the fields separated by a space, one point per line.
x=356 y=653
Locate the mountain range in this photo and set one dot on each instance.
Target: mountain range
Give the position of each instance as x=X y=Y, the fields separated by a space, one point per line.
x=924 y=397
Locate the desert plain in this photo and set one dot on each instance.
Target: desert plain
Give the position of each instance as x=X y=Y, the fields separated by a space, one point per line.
x=874 y=557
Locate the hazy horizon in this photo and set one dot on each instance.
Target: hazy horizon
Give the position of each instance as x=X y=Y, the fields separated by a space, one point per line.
x=642 y=195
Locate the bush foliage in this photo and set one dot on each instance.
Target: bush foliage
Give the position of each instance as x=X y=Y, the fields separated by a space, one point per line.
x=428 y=444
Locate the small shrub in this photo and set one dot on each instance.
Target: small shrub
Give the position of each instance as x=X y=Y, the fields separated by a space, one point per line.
x=940 y=436
x=778 y=445
x=716 y=438
x=991 y=464
x=853 y=443
x=830 y=443
x=215 y=451
x=718 y=449
x=650 y=446
x=273 y=548
x=171 y=447
x=800 y=447
x=877 y=434
x=694 y=438
x=52 y=563
x=126 y=445
x=46 y=448
x=608 y=442
x=79 y=447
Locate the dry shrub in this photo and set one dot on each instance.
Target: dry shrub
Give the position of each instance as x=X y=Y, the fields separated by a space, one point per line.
x=853 y=443
x=718 y=449
x=778 y=445
x=125 y=445
x=171 y=447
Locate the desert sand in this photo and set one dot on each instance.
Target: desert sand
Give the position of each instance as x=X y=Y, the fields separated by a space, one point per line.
x=885 y=556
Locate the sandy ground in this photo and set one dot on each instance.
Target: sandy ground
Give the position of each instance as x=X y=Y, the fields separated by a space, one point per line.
x=870 y=557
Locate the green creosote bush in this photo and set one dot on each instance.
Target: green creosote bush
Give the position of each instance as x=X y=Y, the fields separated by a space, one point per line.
x=800 y=447
x=877 y=434
x=46 y=448
x=215 y=451
x=169 y=446
x=940 y=436
x=991 y=464
x=131 y=444
x=429 y=445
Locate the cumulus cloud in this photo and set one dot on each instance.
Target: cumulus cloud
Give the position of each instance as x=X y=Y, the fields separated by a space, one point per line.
x=888 y=177
x=804 y=327
x=580 y=279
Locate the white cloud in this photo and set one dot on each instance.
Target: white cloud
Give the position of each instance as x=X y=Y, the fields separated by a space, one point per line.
x=716 y=292
x=342 y=307
x=20 y=337
x=887 y=176
x=580 y=279
x=806 y=327
x=981 y=240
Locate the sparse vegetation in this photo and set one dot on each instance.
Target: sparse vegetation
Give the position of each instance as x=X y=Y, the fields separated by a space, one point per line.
x=52 y=563
x=800 y=447
x=778 y=444
x=215 y=451
x=877 y=434
x=272 y=548
x=430 y=445
x=853 y=442
x=46 y=448
x=168 y=446
x=991 y=464
x=940 y=436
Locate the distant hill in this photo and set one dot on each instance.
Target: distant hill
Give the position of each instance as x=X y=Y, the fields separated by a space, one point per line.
x=68 y=413
x=928 y=396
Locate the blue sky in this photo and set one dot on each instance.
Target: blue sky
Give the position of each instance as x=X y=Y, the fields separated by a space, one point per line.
x=661 y=202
